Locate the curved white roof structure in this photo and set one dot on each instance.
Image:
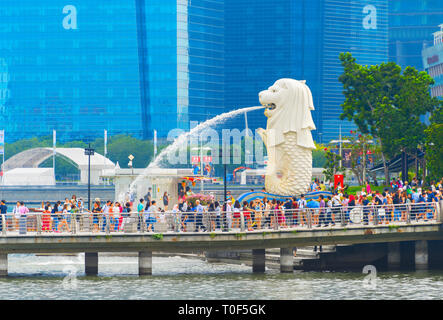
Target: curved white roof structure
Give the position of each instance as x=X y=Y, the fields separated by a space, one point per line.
x=32 y=158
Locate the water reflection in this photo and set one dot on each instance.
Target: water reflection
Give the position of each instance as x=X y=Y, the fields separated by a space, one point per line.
x=41 y=277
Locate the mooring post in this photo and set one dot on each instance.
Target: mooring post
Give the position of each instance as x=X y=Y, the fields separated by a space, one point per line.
x=145 y=263
x=91 y=263
x=258 y=260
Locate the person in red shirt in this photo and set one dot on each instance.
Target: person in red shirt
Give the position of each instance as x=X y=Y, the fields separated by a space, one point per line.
x=247 y=215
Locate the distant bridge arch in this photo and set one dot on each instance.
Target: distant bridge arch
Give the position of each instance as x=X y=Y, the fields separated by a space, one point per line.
x=32 y=158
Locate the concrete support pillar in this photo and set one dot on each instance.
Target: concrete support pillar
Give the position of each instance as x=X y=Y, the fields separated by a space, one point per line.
x=258 y=260
x=440 y=211
x=286 y=260
x=91 y=263
x=421 y=255
x=3 y=264
x=394 y=257
x=145 y=263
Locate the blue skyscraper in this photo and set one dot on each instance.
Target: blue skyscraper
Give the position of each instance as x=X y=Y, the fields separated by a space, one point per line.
x=268 y=40
x=72 y=67
x=411 y=24
x=136 y=66
x=433 y=62
x=126 y=66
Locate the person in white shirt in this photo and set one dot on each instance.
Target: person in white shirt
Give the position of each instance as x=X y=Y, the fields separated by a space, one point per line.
x=153 y=208
x=336 y=207
x=228 y=215
x=16 y=212
x=301 y=206
x=329 y=212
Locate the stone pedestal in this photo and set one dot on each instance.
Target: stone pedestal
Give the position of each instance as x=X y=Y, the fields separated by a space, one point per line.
x=3 y=264
x=286 y=260
x=258 y=260
x=145 y=263
x=421 y=255
x=91 y=263
x=394 y=258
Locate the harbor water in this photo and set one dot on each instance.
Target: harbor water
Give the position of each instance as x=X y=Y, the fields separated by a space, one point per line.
x=34 y=277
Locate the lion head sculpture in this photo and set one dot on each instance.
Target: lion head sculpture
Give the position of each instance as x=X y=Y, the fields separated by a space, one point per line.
x=288 y=105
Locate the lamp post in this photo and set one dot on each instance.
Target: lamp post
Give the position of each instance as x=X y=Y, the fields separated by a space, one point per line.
x=131 y=157
x=225 y=192
x=89 y=152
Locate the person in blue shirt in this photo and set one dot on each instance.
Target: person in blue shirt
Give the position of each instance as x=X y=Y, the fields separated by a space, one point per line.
x=430 y=209
x=421 y=206
x=199 y=215
x=315 y=212
x=3 y=210
x=365 y=202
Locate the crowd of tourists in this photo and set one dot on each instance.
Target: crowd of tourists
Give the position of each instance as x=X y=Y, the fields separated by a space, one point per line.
x=401 y=202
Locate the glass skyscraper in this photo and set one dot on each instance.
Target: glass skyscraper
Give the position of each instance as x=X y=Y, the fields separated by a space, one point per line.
x=136 y=66
x=433 y=62
x=70 y=67
x=126 y=66
x=411 y=24
x=268 y=40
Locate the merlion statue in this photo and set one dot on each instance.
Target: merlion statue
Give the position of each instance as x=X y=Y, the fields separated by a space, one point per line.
x=288 y=137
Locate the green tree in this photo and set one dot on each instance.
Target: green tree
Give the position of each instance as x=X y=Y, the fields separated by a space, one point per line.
x=332 y=165
x=121 y=146
x=387 y=104
x=360 y=146
x=434 y=145
x=318 y=156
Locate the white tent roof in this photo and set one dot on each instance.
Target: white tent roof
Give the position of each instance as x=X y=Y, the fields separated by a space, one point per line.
x=78 y=156
x=29 y=177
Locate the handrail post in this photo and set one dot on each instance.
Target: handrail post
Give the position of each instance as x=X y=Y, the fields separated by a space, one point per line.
x=309 y=217
x=39 y=223
x=74 y=221
x=275 y=218
x=439 y=211
x=107 y=224
x=408 y=214
x=374 y=214
x=3 y=224
x=242 y=221
x=142 y=223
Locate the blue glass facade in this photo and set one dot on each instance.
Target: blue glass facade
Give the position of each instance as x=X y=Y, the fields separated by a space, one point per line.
x=266 y=41
x=301 y=40
x=433 y=62
x=126 y=66
x=72 y=68
x=359 y=27
x=411 y=24
x=136 y=66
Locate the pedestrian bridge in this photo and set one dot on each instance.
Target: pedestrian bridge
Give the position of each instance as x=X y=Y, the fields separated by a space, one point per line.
x=93 y=233
x=32 y=158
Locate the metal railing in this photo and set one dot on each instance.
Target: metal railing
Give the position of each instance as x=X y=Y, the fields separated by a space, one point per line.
x=240 y=220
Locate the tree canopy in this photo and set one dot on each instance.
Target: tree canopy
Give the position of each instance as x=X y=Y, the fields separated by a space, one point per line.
x=388 y=104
